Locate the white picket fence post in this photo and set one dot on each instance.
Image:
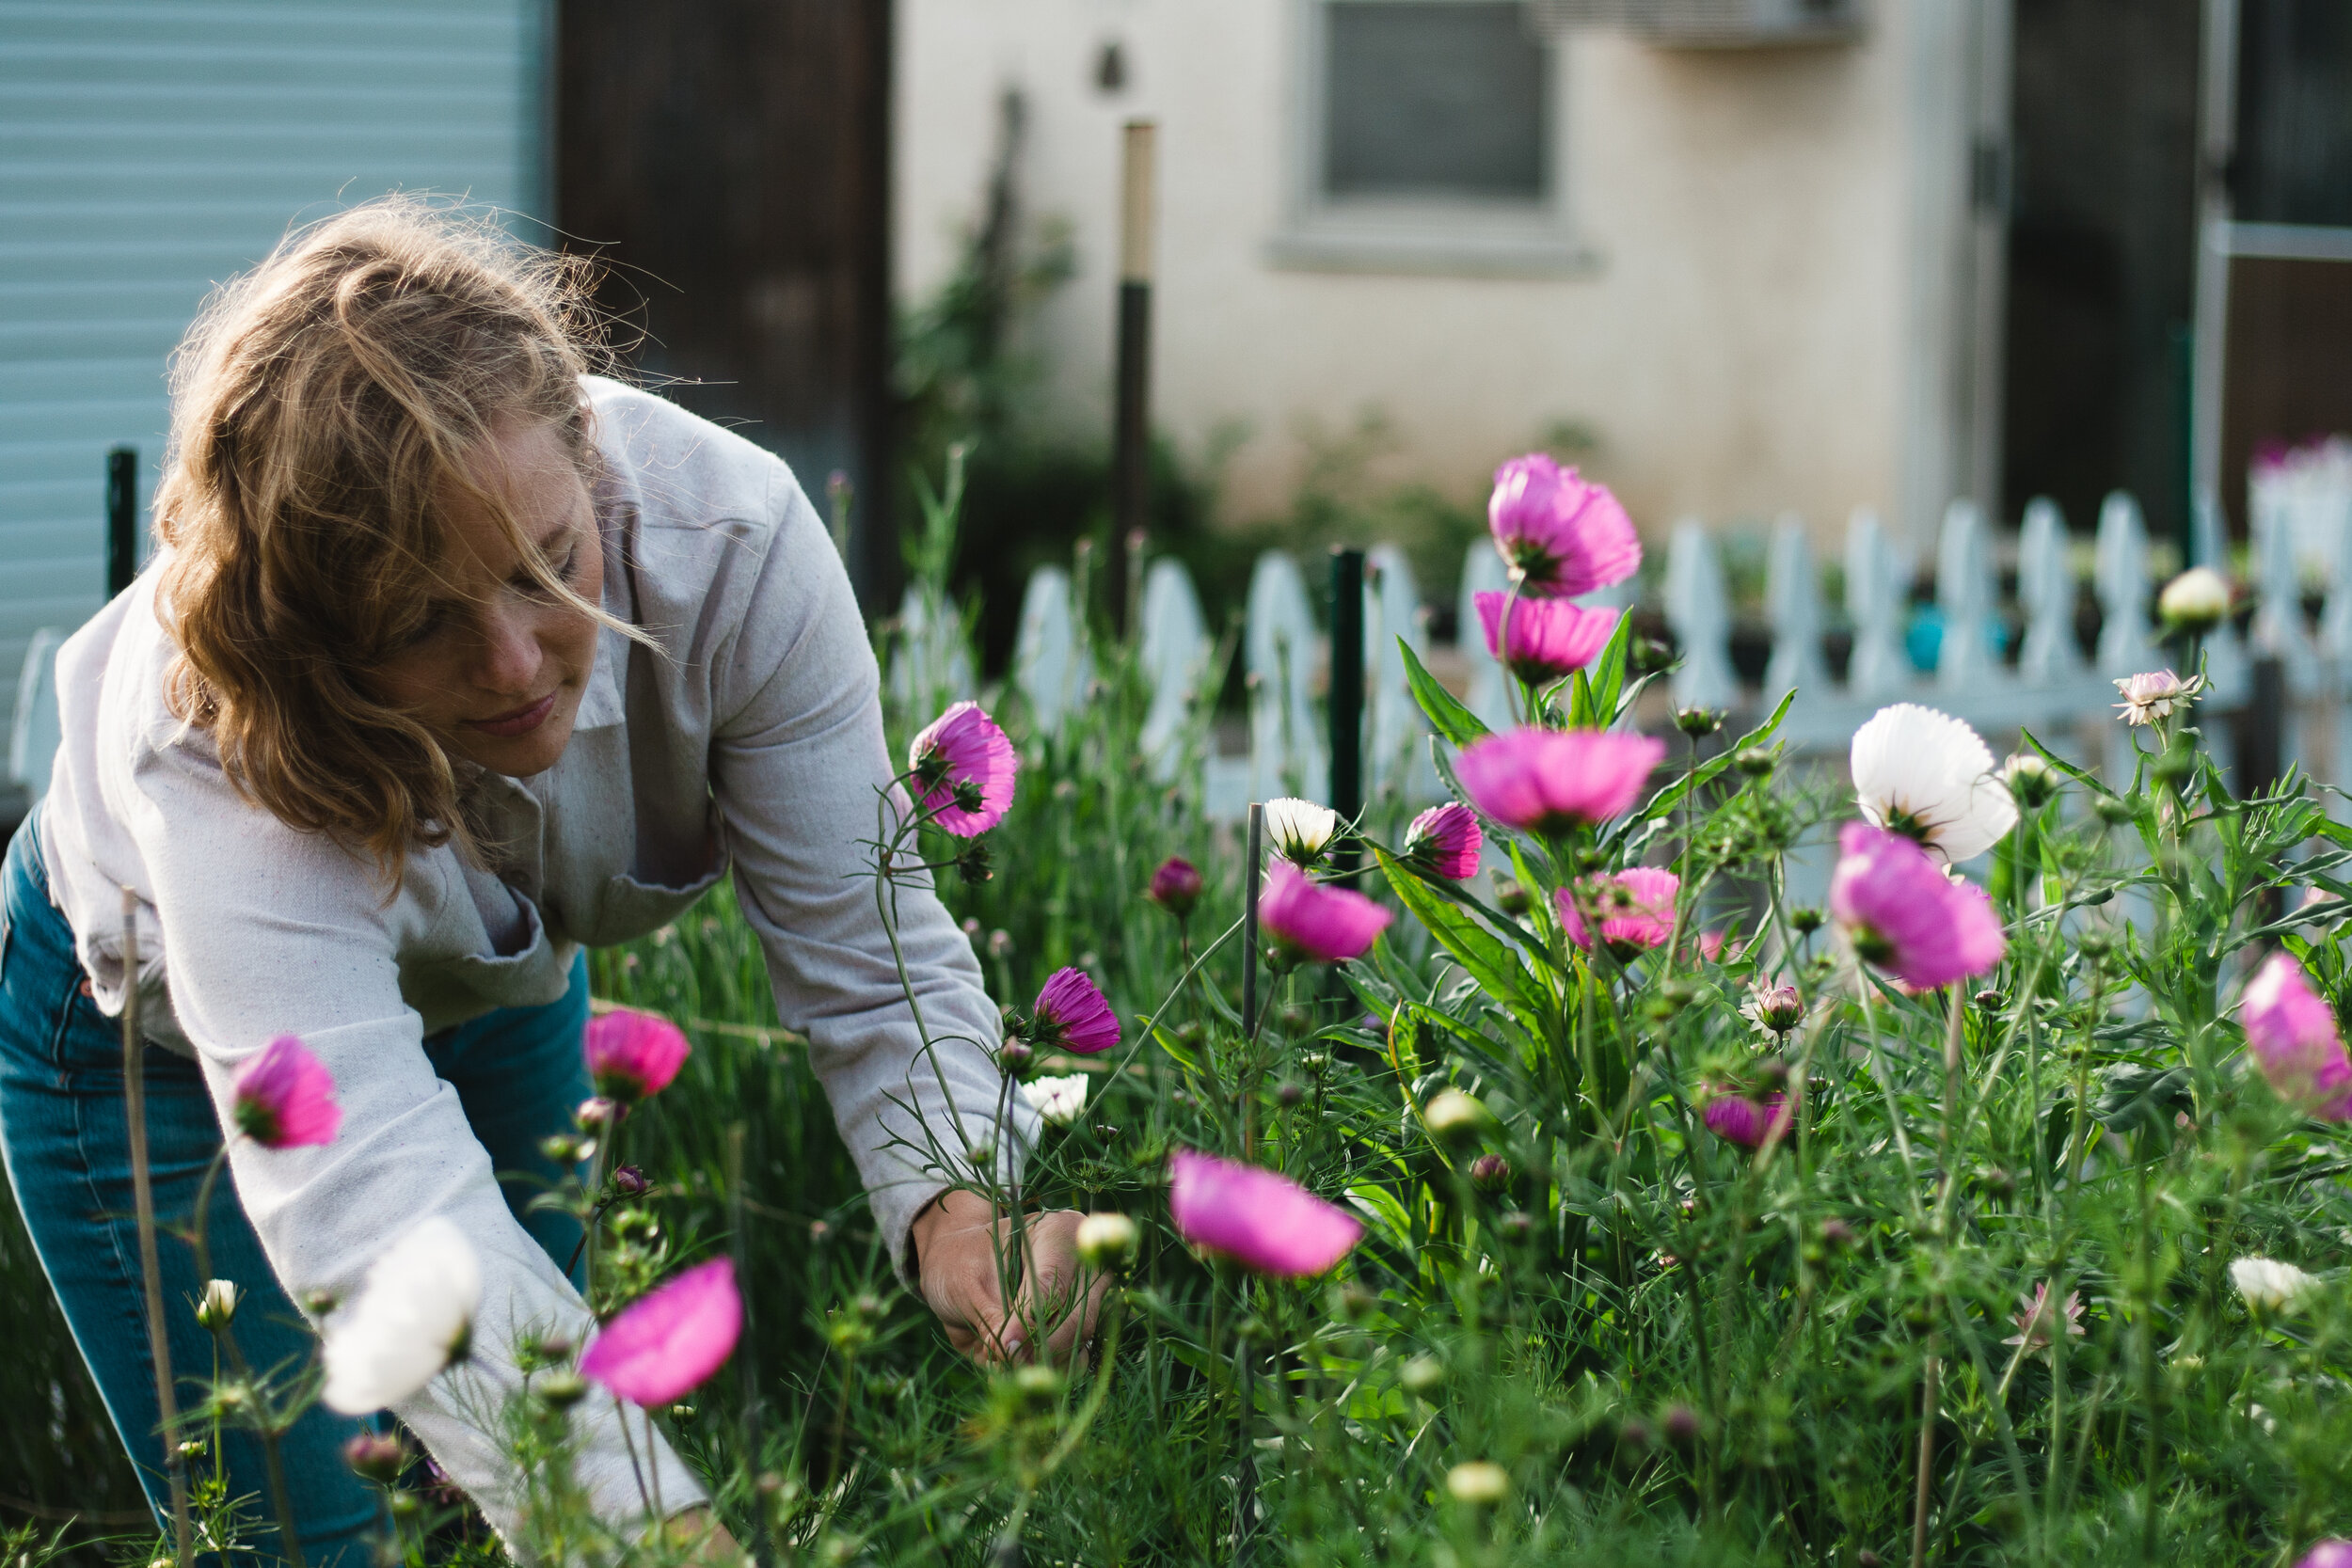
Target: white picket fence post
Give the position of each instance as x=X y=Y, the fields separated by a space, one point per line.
x=1699 y=611
x=1049 y=665
x=1279 y=653
x=1489 y=695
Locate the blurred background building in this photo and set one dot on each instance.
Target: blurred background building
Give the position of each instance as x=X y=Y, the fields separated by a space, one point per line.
x=1739 y=257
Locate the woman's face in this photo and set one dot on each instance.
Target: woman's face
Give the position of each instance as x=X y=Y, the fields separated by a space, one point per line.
x=499 y=668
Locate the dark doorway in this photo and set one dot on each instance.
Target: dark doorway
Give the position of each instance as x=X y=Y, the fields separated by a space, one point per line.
x=2288 y=366
x=730 y=159
x=2102 y=255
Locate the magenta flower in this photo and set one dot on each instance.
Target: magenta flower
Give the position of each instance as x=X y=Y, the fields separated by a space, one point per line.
x=1261 y=1220
x=1905 y=915
x=1071 y=1013
x=285 y=1097
x=1175 y=886
x=1747 y=1121
x=1550 y=638
x=1324 y=925
x=966 y=767
x=668 y=1342
x=1444 y=841
x=633 y=1056
x=2292 y=1032
x=1636 y=909
x=1563 y=534
x=1552 y=781
x=2327 y=1554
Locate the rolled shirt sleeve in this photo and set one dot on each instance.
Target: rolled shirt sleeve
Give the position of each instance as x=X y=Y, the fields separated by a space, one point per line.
x=797 y=766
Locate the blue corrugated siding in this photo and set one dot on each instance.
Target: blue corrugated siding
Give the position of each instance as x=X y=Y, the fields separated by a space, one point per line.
x=150 y=149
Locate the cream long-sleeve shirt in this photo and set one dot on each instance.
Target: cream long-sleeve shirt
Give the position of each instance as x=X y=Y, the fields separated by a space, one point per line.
x=751 y=735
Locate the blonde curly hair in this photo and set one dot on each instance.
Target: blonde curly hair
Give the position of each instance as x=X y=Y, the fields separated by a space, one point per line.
x=324 y=406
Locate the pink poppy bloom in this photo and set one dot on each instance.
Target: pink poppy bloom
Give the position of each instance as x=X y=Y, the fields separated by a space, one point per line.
x=1636 y=909
x=1261 y=1220
x=962 y=752
x=2292 y=1032
x=2327 y=1554
x=1747 y=1121
x=1550 y=638
x=285 y=1097
x=1905 y=915
x=1563 y=534
x=1552 y=781
x=633 y=1056
x=1322 y=924
x=667 y=1342
x=1071 y=1014
x=1175 y=886
x=1444 y=841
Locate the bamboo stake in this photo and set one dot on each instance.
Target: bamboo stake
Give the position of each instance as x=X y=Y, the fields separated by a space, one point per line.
x=143 y=1201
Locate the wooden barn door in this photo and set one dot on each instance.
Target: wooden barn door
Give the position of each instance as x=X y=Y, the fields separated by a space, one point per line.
x=729 y=160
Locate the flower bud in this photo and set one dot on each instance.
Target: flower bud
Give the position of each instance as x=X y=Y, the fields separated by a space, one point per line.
x=561 y=1390
x=628 y=1182
x=1454 y=1118
x=217 y=1305
x=1755 y=761
x=1696 y=721
x=1421 y=1374
x=2196 y=601
x=568 y=1149
x=1806 y=920
x=1106 y=1240
x=1290 y=1094
x=597 y=1113
x=1015 y=1056
x=1175 y=886
x=1491 y=1173
x=1039 y=1386
x=1478 y=1483
x=376 y=1456
x=1511 y=897
x=976 y=864
x=1836 y=1233
x=1683 y=1424
x=1515 y=1224
x=1634 y=1434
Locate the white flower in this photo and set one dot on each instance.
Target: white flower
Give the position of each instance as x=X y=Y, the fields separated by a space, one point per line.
x=2196 y=600
x=1057 y=1099
x=2154 y=694
x=2030 y=778
x=2269 y=1285
x=1300 y=829
x=1107 y=1239
x=1929 y=776
x=411 y=1318
x=217 y=1305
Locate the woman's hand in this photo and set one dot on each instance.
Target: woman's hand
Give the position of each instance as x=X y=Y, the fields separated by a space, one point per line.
x=707 y=1540
x=956 y=1243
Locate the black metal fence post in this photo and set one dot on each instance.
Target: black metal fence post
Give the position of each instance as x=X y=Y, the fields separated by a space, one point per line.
x=1347 y=687
x=1131 y=431
x=122 y=518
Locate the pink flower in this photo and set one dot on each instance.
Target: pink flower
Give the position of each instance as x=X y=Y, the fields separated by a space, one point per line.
x=1550 y=638
x=668 y=1342
x=1175 y=886
x=2292 y=1032
x=965 y=768
x=1636 y=909
x=1563 y=534
x=1323 y=924
x=2154 y=694
x=1552 y=781
x=1071 y=1013
x=2327 y=1554
x=633 y=1056
x=1905 y=914
x=1444 y=841
x=285 y=1097
x=1261 y=1220
x=2036 y=1321
x=1739 y=1120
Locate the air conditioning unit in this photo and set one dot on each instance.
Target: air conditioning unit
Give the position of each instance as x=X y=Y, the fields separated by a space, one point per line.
x=1707 y=23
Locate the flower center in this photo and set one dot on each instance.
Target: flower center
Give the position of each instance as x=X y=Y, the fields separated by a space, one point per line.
x=1910 y=825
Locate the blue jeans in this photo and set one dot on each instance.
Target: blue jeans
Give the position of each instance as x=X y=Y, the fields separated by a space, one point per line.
x=518 y=1072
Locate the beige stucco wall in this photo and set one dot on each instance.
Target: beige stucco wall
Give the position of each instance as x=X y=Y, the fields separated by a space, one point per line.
x=1759 y=335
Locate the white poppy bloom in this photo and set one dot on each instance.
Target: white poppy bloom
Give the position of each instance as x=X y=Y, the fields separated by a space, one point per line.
x=1929 y=776
x=2268 y=1284
x=1057 y=1099
x=2198 y=598
x=411 y=1318
x=1300 y=829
